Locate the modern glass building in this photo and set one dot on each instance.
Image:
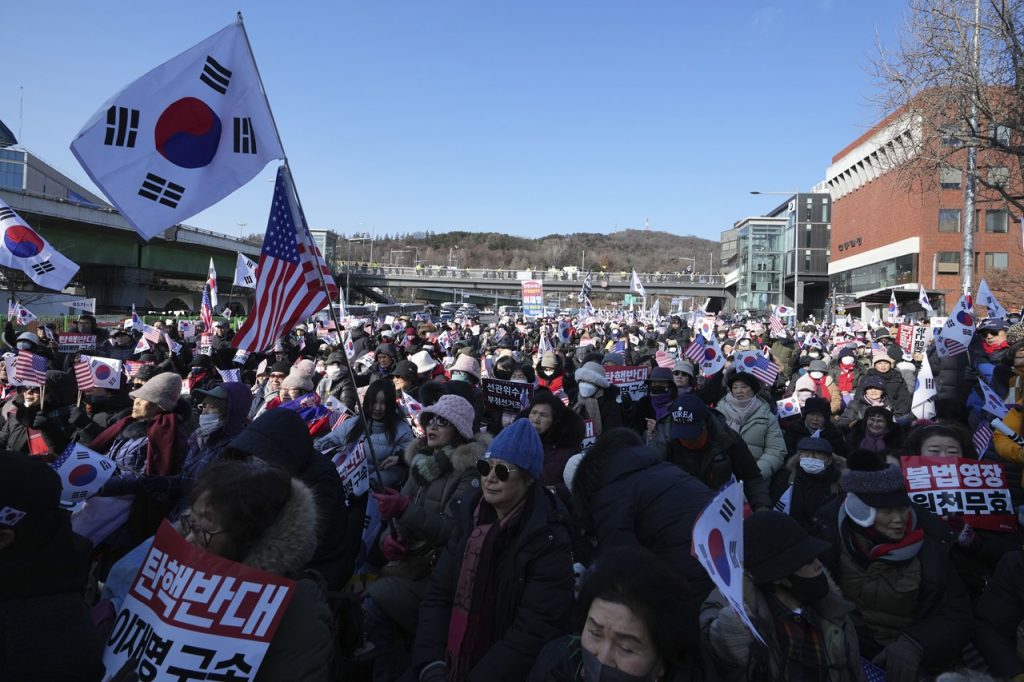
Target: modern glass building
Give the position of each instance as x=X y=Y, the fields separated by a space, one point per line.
x=759 y=262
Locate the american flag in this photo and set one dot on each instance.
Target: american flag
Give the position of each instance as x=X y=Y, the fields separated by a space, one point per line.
x=288 y=284
x=30 y=368
x=133 y=366
x=776 y=324
x=152 y=334
x=206 y=311
x=695 y=351
x=982 y=438
x=227 y=375
x=83 y=374
x=760 y=366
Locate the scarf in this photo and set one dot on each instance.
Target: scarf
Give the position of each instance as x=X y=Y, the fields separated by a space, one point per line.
x=873 y=547
x=846 y=379
x=469 y=628
x=991 y=348
x=553 y=384
x=821 y=387
x=589 y=408
x=738 y=412
x=163 y=453
x=875 y=403
x=872 y=443
x=661 y=403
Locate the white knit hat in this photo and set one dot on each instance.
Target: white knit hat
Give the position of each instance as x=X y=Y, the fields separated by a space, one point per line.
x=592 y=373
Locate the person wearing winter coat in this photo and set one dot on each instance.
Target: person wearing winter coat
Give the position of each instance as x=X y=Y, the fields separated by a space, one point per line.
x=651 y=415
x=37 y=428
x=706 y=448
x=503 y=586
x=876 y=432
x=442 y=469
x=623 y=494
x=784 y=351
x=892 y=560
x=794 y=604
x=102 y=407
x=337 y=382
x=998 y=615
x=46 y=632
x=561 y=431
x=895 y=385
x=280 y=438
x=260 y=516
x=598 y=399
x=552 y=375
x=385 y=359
x=709 y=389
x=752 y=418
x=872 y=394
x=815 y=418
x=846 y=373
x=814 y=474
x=627 y=626
x=816 y=383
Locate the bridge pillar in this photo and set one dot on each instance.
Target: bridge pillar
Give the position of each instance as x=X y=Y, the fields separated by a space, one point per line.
x=117 y=287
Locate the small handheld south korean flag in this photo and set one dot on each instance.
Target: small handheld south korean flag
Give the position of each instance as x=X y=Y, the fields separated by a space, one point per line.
x=788 y=407
x=82 y=473
x=182 y=137
x=245 y=273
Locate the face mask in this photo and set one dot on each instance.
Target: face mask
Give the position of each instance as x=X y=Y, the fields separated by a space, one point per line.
x=848 y=360
x=808 y=590
x=587 y=390
x=333 y=373
x=461 y=376
x=812 y=465
x=817 y=375
x=24 y=345
x=596 y=671
x=208 y=423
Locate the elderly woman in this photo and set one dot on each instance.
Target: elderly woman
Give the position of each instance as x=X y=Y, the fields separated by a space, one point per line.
x=598 y=399
x=877 y=432
x=441 y=470
x=627 y=626
x=561 y=432
x=814 y=474
x=337 y=382
x=816 y=383
x=750 y=415
x=503 y=586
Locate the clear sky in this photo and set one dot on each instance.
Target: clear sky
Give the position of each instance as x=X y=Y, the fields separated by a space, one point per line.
x=528 y=117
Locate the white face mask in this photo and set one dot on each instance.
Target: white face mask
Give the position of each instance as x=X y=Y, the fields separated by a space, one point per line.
x=812 y=465
x=817 y=375
x=461 y=376
x=847 y=360
x=208 y=423
x=587 y=390
x=24 y=345
x=333 y=372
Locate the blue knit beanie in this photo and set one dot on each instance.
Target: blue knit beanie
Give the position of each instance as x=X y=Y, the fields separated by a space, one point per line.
x=519 y=445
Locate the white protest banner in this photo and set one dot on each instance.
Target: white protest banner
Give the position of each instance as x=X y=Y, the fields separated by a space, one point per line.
x=350 y=461
x=82 y=473
x=718 y=545
x=187 y=328
x=73 y=343
x=920 y=342
x=629 y=378
x=211 y=616
x=206 y=344
x=87 y=304
x=954 y=485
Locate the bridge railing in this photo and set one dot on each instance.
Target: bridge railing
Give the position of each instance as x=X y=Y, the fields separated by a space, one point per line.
x=444 y=273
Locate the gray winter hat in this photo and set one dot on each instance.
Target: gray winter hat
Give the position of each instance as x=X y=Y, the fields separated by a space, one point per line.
x=877 y=488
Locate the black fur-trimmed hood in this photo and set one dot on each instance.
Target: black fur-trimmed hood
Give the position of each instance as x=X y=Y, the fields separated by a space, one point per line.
x=290 y=542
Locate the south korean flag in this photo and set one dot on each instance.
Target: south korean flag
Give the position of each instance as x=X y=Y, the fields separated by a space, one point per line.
x=184 y=136
x=24 y=249
x=245 y=273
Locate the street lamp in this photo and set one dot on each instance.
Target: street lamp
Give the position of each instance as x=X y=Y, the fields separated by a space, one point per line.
x=451 y=250
x=796 y=248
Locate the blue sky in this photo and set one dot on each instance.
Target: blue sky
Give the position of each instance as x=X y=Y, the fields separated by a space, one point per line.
x=529 y=117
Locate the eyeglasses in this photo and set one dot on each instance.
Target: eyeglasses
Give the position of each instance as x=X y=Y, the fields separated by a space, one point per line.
x=190 y=527
x=440 y=422
x=680 y=374
x=501 y=470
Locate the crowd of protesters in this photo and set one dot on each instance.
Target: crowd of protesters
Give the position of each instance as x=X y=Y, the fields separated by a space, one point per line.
x=549 y=540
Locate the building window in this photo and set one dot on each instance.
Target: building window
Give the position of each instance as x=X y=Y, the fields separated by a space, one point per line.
x=998 y=176
x=996 y=261
x=949 y=220
x=949 y=263
x=950 y=178
x=1000 y=134
x=997 y=221
x=951 y=137
x=12 y=169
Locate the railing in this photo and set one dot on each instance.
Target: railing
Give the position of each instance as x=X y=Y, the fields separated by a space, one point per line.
x=598 y=280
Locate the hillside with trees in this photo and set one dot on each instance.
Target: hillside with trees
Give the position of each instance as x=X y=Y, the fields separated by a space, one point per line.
x=646 y=251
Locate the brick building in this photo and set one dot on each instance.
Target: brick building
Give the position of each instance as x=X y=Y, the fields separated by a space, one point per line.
x=892 y=233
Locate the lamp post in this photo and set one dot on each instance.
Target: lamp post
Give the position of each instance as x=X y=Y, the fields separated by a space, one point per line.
x=796 y=248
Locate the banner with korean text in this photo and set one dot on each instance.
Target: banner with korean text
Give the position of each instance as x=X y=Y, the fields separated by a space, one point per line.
x=629 y=378
x=533 y=298
x=194 y=615
x=953 y=485
x=507 y=395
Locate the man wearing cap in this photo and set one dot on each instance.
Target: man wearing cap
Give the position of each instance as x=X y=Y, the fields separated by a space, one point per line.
x=385 y=359
x=814 y=473
x=793 y=604
x=892 y=560
x=46 y=632
x=704 y=446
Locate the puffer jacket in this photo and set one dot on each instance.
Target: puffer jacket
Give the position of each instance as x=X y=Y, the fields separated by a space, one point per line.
x=739 y=657
x=804 y=388
x=783 y=351
x=998 y=615
x=895 y=390
x=763 y=435
x=343 y=389
x=532 y=589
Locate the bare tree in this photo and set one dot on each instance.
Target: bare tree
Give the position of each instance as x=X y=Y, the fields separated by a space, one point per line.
x=930 y=78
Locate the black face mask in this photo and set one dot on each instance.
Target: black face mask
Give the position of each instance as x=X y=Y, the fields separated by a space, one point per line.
x=808 y=590
x=596 y=671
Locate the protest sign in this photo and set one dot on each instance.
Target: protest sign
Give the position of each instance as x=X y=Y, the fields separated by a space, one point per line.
x=920 y=340
x=206 y=344
x=74 y=343
x=589 y=437
x=350 y=461
x=507 y=395
x=629 y=378
x=533 y=298
x=905 y=338
x=954 y=485
x=187 y=329
x=718 y=546
x=192 y=614
x=82 y=473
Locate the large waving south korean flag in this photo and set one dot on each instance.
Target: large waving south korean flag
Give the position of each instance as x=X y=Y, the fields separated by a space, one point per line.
x=24 y=249
x=182 y=137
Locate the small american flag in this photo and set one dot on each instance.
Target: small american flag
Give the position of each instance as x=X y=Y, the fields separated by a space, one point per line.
x=152 y=334
x=760 y=366
x=30 y=368
x=83 y=374
x=982 y=438
x=776 y=324
x=133 y=366
x=695 y=351
x=227 y=375
x=206 y=311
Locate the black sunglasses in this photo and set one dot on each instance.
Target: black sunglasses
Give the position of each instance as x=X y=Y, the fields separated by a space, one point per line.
x=680 y=374
x=428 y=419
x=501 y=470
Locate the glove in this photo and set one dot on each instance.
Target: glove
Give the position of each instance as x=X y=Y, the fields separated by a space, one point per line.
x=901 y=660
x=126 y=484
x=392 y=504
x=78 y=418
x=434 y=672
x=392 y=548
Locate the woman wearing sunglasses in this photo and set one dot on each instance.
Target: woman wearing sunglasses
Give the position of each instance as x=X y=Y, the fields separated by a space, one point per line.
x=442 y=468
x=503 y=586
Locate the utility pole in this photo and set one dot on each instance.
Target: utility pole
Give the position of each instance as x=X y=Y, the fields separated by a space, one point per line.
x=967 y=256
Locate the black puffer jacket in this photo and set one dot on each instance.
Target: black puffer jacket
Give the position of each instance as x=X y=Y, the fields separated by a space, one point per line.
x=280 y=437
x=533 y=589
x=998 y=614
x=895 y=389
x=630 y=497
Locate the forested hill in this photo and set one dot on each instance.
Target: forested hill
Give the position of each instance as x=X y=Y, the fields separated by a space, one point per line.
x=646 y=251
